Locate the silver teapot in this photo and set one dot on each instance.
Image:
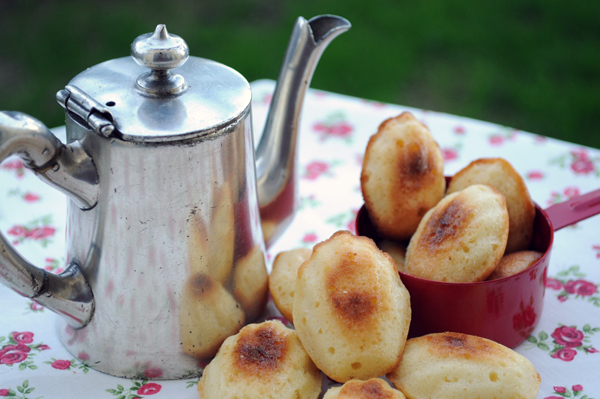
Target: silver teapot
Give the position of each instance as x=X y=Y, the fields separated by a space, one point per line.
x=166 y=200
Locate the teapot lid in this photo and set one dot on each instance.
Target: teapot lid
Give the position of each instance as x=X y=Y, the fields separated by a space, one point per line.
x=121 y=97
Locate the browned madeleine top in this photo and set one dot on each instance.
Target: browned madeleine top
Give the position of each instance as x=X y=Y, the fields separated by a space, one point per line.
x=261 y=349
x=402 y=175
x=460 y=345
x=352 y=288
x=351 y=310
x=462 y=238
x=454 y=365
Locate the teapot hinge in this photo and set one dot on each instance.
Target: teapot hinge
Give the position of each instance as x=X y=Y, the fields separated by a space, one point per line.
x=94 y=114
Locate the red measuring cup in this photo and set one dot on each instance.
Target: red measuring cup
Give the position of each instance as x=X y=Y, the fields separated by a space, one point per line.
x=504 y=310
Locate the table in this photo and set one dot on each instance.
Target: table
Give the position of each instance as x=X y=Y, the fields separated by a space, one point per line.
x=565 y=346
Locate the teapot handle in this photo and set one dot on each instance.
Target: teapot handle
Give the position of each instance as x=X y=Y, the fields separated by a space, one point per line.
x=72 y=171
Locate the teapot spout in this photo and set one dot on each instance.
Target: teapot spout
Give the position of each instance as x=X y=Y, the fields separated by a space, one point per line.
x=277 y=151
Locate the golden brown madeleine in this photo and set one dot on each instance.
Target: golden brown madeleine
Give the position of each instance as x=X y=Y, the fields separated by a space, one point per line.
x=351 y=310
x=375 y=388
x=514 y=263
x=263 y=360
x=457 y=366
x=500 y=174
x=462 y=239
x=402 y=176
x=282 y=280
x=207 y=315
x=251 y=283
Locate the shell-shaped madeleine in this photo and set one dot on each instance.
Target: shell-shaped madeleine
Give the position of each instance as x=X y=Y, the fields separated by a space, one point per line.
x=462 y=239
x=351 y=310
x=456 y=366
x=402 y=176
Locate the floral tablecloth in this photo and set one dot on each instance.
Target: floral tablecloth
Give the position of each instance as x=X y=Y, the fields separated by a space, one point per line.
x=334 y=131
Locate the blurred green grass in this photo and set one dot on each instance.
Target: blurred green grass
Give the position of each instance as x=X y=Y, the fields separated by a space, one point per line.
x=533 y=65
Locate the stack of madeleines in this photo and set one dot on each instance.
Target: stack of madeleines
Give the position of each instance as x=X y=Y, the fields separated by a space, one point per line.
x=458 y=233
x=351 y=317
x=350 y=310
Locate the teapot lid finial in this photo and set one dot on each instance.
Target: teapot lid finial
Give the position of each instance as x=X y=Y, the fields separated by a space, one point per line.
x=160 y=52
x=157 y=104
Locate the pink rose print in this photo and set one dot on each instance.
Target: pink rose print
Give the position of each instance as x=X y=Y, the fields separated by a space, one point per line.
x=540 y=139
x=535 y=175
x=591 y=350
x=496 y=140
x=33 y=231
x=569 y=337
x=36 y=307
x=42 y=232
x=31 y=197
x=597 y=249
x=139 y=389
x=459 y=130
x=150 y=388
x=61 y=364
x=581 y=287
x=315 y=169
x=576 y=287
x=43 y=347
x=565 y=393
x=309 y=238
x=553 y=284
x=23 y=337
x=4 y=392
x=581 y=163
x=566 y=354
x=571 y=192
x=449 y=154
x=567 y=193
x=340 y=129
x=152 y=373
x=83 y=356
x=16 y=166
x=17 y=231
x=12 y=354
x=334 y=126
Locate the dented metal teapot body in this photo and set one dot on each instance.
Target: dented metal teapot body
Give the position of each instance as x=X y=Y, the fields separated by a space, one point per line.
x=167 y=203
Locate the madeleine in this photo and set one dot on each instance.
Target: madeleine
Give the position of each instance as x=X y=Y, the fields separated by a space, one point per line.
x=456 y=366
x=462 y=239
x=351 y=310
x=402 y=176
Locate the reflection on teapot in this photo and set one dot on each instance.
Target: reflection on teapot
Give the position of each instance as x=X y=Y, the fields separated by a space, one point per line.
x=165 y=251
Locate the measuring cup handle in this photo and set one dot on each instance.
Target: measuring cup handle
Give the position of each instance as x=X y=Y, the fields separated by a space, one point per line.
x=576 y=209
x=69 y=293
